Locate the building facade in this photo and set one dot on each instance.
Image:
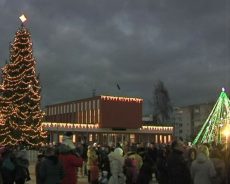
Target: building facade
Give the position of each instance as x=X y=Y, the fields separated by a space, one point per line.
x=103 y=119
x=189 y=119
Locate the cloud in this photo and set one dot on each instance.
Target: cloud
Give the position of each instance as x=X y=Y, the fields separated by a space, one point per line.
x=84 y=45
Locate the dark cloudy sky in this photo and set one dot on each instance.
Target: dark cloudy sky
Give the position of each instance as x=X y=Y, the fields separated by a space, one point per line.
x=81 y=45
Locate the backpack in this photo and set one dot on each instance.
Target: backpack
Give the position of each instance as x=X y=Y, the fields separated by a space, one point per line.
x=8 y=164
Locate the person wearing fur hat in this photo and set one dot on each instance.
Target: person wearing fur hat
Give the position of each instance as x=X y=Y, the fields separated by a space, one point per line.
x=116 y=167
x=178 y=171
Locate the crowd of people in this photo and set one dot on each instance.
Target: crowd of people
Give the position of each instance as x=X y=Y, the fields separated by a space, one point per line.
x=175 y=163
x=14 y=165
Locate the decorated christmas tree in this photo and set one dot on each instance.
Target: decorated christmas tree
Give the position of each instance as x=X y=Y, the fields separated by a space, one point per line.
x=217 y=122
x=20 y=95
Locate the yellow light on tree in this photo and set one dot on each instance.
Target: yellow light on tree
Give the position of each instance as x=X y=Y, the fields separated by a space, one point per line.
x=23 y=18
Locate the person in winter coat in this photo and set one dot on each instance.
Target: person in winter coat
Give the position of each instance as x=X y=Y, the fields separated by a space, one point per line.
x=70 y=162
x=91 y=158
x=104 y=160
x=177 y=168
x=94 y=173
x=146 y=170
x=220 y=167
x=137 y=158
x=8 y=166
x=162 y=174
x=22 y=167
x=191 y=156
x=202 y=169
x=130 y=171
x=51 y=170
x=40 y=157
x=116 y=167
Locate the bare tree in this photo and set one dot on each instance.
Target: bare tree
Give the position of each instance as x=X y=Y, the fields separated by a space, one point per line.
x=162 y=107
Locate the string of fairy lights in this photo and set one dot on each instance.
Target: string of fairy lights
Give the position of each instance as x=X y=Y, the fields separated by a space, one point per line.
x=21 y=114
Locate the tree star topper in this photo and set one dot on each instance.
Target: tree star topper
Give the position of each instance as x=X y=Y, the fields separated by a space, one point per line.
x=23 y=18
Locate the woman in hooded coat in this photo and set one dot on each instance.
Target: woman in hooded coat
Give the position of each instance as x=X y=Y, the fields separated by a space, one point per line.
x=116 y=167
x=202 y=169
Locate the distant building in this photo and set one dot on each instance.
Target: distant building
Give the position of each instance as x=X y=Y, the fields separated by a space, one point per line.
x=104 y=119
x=189 y=119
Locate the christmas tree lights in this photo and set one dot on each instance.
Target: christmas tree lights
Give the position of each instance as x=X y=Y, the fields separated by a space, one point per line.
x=20 y=95
x=218 y=119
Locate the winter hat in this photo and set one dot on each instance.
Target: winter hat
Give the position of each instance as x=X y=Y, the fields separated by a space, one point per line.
x=118 y=151
x=203 y=149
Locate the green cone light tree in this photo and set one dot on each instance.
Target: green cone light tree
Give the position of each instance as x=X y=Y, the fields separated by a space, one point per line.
x=21 y=112
x=217 y=121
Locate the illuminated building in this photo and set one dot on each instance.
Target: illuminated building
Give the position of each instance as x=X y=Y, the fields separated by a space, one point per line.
x=103 y=119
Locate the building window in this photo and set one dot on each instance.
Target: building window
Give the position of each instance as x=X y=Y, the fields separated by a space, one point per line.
x=90 y=116
x=60 y=138
x=81 y=106
x=93 y=104
x=90 y=137
x=86 y=114
x=78 y=113
x=132 y=138
x=89 y=105
x=74 y=138
x=70 y=108
x=86 y=106
x=67 y=108
x=98 y=115
x=60 y=109
x=169 y=138
x=197 y=110
x=160 y=138
x=74 y=107
x=98 y=104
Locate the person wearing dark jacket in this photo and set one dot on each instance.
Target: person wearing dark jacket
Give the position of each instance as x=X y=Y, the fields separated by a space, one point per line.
x=178 y=171
x=22 y=167
x=8 y=167
x=146 y=170
x=51 y=170
x=40 y=157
